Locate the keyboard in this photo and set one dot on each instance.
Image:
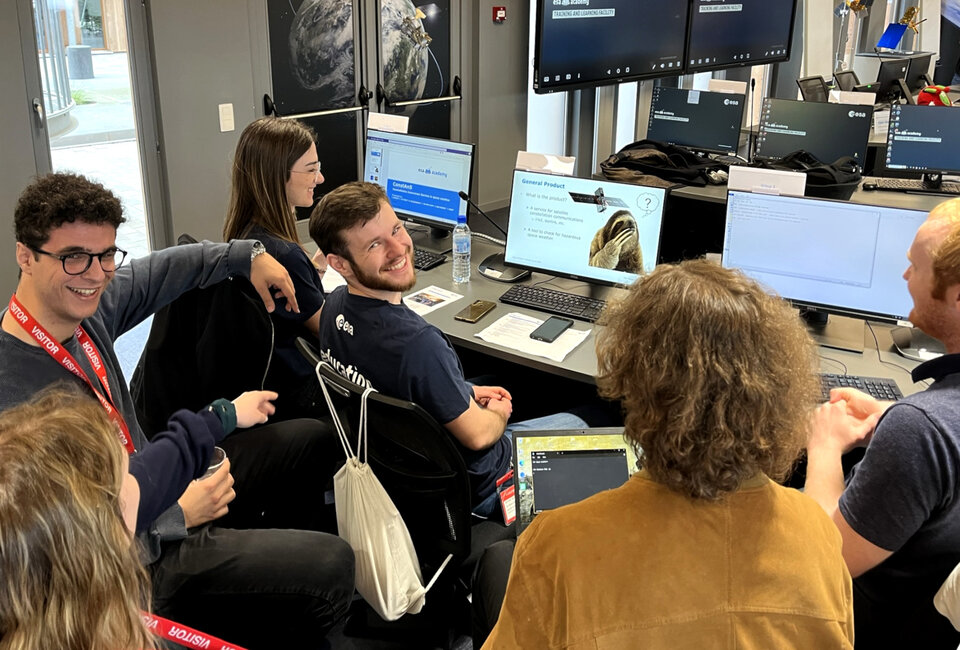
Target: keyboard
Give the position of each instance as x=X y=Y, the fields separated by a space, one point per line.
x=554 y=302
x=914 y=185
x=878 y=387
x=423 y=260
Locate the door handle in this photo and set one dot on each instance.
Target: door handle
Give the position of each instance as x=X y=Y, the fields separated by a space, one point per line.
x=38 y=109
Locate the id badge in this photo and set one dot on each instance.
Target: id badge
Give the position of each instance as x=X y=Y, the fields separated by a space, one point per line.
x=507 y=491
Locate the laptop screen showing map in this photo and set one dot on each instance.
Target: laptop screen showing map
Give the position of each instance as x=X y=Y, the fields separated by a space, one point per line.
x=555 y=468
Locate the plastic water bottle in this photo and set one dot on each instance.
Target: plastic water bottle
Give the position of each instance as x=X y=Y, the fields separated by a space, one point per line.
x=461 y=250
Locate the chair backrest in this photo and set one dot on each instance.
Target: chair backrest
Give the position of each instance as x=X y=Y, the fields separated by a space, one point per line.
x=207 y=344
x=846 y=79
x=813 y=89
x=416 y=462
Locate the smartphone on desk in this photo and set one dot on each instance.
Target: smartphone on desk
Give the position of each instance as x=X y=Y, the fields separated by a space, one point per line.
x=475 y=311
x=550 y=329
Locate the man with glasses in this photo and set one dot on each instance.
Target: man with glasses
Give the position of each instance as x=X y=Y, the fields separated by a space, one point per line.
x=73 y=299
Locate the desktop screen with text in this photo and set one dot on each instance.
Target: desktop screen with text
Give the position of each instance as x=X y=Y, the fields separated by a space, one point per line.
x=576 y=227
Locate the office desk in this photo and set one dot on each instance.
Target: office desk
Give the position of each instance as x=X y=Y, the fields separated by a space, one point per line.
x=694 y=217
x=581 y=364
x=926 y=202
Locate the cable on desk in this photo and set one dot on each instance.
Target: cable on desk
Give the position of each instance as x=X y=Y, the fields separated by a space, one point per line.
x=876 y=344
x=485 y=236
x=836 y=361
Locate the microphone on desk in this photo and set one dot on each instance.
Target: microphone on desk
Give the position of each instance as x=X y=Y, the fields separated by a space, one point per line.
x=495 y=266
x=466 y=197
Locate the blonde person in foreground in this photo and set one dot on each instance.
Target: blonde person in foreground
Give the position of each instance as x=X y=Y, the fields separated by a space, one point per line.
x=701 y=548
x=71 y=578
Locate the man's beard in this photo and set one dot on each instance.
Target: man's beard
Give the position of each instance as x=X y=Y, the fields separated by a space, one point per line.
x=379 y=283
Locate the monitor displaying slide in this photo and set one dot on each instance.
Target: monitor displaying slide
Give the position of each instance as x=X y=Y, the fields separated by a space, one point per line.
x=839 y=257
x=598 y=231
x=697 y=119
x=421 y=176
x=728 y=33
x=828 y=131
x=924 y=139
x=584 y=43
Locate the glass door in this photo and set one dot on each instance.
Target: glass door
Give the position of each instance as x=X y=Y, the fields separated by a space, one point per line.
x=87 y=113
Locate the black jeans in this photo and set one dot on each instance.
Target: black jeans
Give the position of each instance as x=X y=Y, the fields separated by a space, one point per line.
x=490 y=587
x=264 y=575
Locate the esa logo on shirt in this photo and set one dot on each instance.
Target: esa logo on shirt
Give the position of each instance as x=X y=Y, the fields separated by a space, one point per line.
x=344 y=325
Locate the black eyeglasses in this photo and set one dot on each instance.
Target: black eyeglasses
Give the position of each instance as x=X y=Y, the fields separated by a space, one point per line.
x=78 y=263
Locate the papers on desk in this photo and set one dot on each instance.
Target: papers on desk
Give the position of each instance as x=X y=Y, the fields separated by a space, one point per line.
x=432 y=298
x=513 y=331
x=331 y=280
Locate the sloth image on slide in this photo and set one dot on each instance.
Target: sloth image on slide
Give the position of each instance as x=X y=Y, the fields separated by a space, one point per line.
x=617 y=245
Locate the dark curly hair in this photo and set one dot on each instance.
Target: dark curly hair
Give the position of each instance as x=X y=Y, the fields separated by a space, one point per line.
x=56 y=199
x=717 y=378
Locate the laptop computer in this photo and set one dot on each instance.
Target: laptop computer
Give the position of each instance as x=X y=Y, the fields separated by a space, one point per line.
x=558 y=467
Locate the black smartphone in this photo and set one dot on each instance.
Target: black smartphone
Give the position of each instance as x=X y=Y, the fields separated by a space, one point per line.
x=475 y=311
x=550 y=329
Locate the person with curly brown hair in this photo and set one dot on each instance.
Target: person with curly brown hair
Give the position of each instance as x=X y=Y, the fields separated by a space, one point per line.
x=700 y=548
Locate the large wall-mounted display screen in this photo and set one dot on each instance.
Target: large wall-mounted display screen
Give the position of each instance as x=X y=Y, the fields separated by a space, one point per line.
x=583 y=43
x=728 y=33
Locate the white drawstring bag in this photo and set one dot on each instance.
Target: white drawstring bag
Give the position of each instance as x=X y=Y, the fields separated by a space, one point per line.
x=388 y=573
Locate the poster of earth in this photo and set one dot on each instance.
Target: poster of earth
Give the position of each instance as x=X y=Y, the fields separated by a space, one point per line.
x=314 y=59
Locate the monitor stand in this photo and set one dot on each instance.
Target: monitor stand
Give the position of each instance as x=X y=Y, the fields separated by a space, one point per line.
x=932 y=181
x=913 y=344
x=435 y=240
x=839 y=332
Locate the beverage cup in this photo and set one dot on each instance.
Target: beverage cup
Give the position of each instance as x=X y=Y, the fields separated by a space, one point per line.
x=216 y=460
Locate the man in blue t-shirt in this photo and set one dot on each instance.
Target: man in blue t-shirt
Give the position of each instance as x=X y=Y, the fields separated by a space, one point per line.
x=899 y=511
x=373 y=339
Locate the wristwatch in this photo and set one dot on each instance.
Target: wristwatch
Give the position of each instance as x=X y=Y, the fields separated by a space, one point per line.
x=258 y=249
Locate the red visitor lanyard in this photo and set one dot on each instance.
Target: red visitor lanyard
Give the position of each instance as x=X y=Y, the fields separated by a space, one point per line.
x=59 y=352
x=183 y=635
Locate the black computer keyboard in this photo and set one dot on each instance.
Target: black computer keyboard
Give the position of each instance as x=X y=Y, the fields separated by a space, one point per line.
x=554 y=302
x=914 y=185
x=878 y=387
x=423 y=260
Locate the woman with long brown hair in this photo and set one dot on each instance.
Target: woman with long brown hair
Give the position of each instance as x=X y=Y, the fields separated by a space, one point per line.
x=275 y=171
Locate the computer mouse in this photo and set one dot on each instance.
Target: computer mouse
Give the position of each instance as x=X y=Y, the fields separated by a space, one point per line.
x=869 y=186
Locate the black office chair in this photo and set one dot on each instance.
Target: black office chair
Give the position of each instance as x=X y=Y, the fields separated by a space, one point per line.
x=813 y=89
x=846 y=80
x=421 y=469
x=196 y=353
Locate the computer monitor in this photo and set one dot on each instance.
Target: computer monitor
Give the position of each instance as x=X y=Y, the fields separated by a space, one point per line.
x=916 y=73
x=602 y=232
x=585 y=43
x=828 y=131
x=836 y=257
x=729 y=33
x=422 y=178
x=696 y=119
x=924 y=139
x=887 y=88
x=846 y=80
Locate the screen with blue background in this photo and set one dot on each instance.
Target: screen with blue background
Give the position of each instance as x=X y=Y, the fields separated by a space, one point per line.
x=421 y=176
